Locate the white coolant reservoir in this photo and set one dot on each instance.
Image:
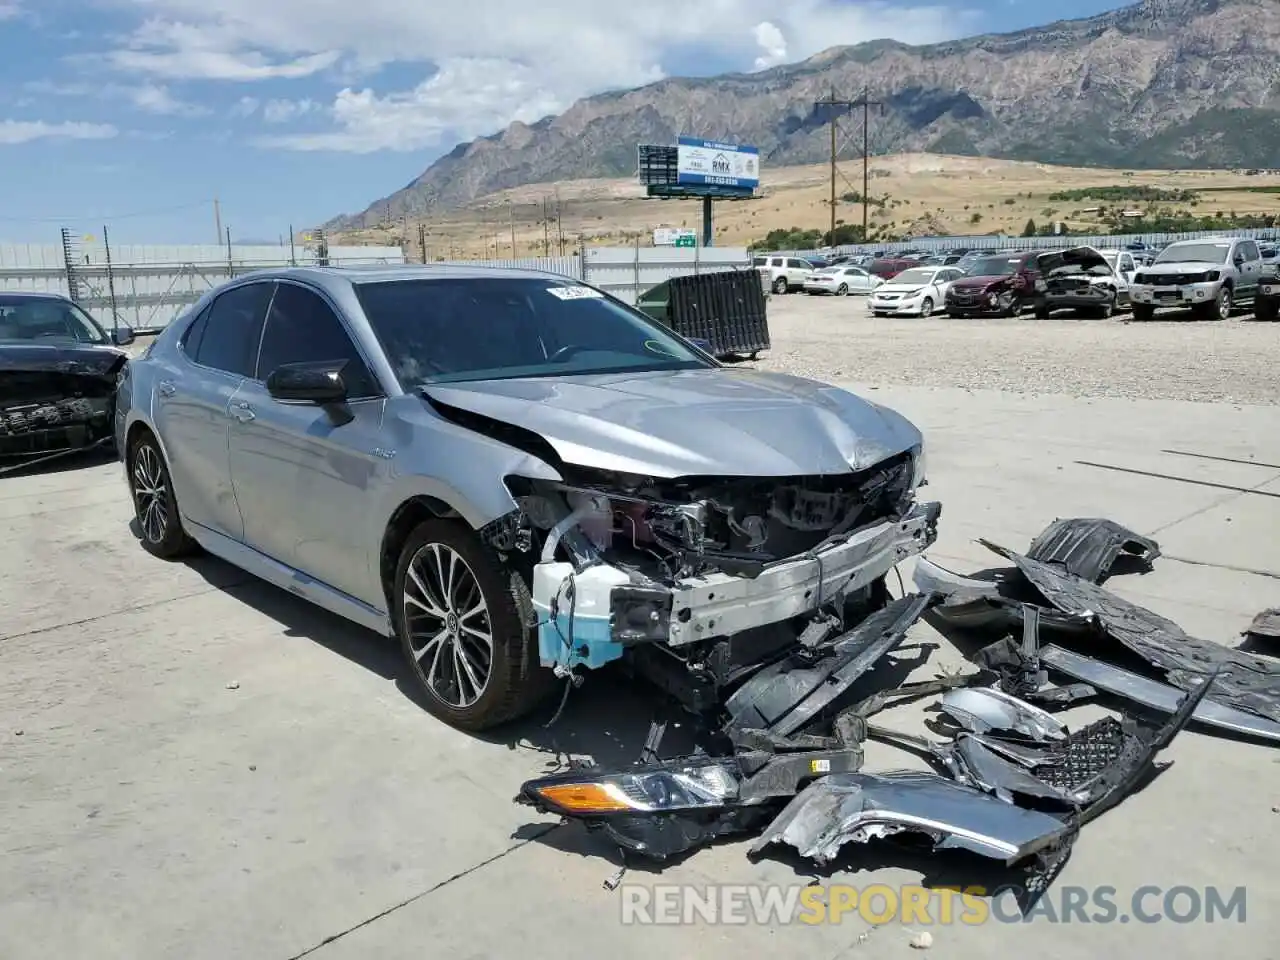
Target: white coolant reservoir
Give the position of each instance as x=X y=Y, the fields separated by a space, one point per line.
x=581 y=632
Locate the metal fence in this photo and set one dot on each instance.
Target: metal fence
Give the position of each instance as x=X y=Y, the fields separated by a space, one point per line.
x=998 y=243
x=145 y=287
x=626 y=272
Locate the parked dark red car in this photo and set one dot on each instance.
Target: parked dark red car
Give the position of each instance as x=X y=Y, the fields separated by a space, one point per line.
x=889 y=268
x=1001 y=285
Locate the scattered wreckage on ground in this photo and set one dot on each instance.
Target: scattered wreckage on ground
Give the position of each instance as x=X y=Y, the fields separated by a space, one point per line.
x=1010 y=781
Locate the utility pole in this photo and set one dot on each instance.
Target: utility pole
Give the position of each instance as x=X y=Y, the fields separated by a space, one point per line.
x=546 y=228
x=834 y=104
x=866 y=103
x=511 y=216
x=217 y=218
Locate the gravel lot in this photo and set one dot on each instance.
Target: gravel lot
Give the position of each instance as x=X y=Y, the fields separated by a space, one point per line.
x=832 y=338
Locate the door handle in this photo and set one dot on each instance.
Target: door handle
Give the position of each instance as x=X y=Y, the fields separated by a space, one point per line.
x=166 y=388
x=243 y=412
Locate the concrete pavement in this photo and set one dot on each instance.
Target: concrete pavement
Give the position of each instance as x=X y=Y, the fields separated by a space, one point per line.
x=208 y=767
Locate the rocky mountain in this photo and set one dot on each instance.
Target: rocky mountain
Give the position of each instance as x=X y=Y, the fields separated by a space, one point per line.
x=1162 y=83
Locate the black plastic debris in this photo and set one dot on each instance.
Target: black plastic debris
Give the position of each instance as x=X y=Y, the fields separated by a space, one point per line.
x=1265 y=626
x=788 y=696
x=1088 y=548
x=724 y=309
x=1243 y=681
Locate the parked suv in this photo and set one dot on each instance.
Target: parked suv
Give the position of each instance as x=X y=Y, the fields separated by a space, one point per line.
x=999 y=285
x=785 y=273
x=1208 y=276
x=1266 y=303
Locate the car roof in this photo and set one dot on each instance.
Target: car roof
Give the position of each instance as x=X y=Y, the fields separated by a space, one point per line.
x=35 y=295
x=390 y=272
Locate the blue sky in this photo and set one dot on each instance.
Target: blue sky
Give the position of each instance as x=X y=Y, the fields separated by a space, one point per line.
x=138 y=113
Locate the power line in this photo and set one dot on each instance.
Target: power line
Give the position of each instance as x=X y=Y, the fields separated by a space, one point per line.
x=837 y=106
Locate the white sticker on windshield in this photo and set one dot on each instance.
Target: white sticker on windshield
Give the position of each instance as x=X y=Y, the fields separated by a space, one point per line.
x=575 y=293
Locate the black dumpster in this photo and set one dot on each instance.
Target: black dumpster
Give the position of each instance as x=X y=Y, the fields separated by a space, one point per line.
x=725 y=310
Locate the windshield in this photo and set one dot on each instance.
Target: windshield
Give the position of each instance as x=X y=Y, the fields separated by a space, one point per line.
x=501 y=328
x=915 y=275
x=994 y=267
x=46 y=320
x=1203 y=252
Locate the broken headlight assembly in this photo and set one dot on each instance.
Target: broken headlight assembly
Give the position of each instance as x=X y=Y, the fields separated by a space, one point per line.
x=919 y=467
x=674 y=788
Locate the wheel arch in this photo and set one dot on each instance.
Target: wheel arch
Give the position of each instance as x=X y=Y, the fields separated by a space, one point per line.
x=411 y=512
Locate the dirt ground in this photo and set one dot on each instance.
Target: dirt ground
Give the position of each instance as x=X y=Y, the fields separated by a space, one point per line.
x=195 y=764
x=928 y=193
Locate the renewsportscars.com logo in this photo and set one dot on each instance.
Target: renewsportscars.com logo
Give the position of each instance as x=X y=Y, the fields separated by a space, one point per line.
x=877 y=904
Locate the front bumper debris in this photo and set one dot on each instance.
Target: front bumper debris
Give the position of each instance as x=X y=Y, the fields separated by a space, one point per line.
x=857 y=807
x=1012 y=781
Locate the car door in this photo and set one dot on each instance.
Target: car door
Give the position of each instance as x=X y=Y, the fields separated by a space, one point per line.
x=798 y=271
x=193 y=400
x=302 y=473
x=1251 y=267
x=859 y=280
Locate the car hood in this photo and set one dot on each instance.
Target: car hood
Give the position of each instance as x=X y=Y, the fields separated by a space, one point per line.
x=73 y=358
x=708 y=422
x=1183 y=266
x=978 y=283
x=1082 y=257
x=893 y=286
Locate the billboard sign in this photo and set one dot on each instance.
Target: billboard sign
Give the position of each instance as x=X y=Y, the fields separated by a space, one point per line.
x=712 y=163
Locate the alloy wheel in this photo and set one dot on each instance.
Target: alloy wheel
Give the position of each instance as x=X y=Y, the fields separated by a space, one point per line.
x=150 y=494
x=1224 y=305
x=842 y=290
x=926 y=307
x=447 y=618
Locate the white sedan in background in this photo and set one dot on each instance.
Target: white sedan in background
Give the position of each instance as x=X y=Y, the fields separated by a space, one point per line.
x=915 y=292
x=841 y=280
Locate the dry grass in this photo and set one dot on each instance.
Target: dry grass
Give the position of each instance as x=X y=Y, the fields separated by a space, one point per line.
x=927 y=194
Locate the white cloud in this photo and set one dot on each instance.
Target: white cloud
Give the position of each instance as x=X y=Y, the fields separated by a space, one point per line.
x=147 y=97
x=538 y=60
x=245 y=107
x=9 y=10
x=282 y=111
x=24 y=131
x=773 y=43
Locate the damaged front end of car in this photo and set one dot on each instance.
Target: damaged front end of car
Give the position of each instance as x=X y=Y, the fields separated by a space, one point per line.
x=697 y=582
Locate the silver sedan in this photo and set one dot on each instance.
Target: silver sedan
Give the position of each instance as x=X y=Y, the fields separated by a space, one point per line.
x=516 y=475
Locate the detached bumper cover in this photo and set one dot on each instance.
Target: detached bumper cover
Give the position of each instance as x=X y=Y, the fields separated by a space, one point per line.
x=857 y=807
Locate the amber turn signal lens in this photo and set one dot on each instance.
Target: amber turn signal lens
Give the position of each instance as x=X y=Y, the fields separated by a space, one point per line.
x=584 y=797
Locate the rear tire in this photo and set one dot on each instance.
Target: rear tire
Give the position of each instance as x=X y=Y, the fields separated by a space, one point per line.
x=842 y=290
x=462 y=621
x=780 y=285
x=155 y=507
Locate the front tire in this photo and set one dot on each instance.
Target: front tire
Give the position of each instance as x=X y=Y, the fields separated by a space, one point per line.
x=1220 y=309
x=1143 y=313
x=926 y=307
x=780 y=285
x=155 y=507
x=463 y=635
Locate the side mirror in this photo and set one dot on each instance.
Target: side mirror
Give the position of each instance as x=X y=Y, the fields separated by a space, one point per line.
x=122 y=336
x=313 y=382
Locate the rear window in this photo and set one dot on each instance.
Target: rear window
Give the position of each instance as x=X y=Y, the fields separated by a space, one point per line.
x=496 y=328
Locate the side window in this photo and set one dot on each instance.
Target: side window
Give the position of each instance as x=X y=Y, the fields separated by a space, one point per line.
x=795 y=264
x=233 y=329
x=301 y=328
x=759 y=261
x=1249 y=249
x=775 y=261
x=191 y=337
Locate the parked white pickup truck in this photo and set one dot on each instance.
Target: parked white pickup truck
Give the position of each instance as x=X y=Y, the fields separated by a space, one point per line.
x=1211 y=277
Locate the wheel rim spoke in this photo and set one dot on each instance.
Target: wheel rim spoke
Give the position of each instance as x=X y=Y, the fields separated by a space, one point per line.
x=150 y=494
x=447 y=619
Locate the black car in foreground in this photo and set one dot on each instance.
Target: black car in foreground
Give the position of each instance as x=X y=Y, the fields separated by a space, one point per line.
x=58 y=371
